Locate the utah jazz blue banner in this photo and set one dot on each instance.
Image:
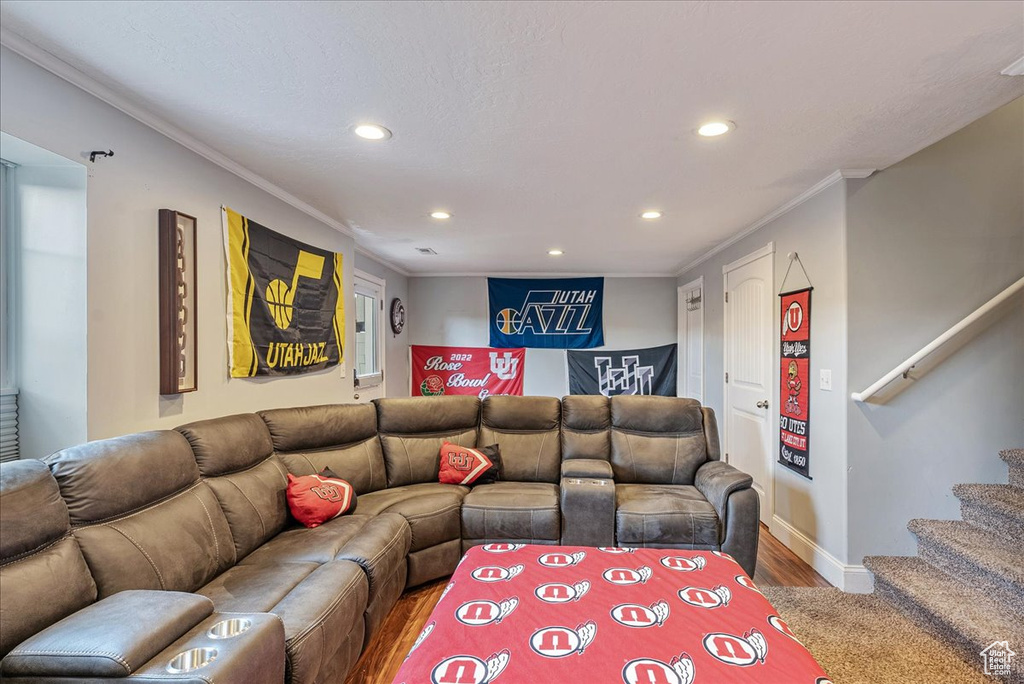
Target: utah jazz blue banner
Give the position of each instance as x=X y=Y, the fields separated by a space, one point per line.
x=553 y=313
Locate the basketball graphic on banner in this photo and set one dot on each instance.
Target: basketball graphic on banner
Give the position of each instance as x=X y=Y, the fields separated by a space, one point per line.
x=508 y=321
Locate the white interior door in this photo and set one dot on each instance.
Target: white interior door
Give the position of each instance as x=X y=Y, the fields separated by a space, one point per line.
x=749 y=298
x=368 y=357
x=690 y=370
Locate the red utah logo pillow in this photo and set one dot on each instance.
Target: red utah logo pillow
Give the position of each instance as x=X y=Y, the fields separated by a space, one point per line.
x=315 y=499
x=465 y=466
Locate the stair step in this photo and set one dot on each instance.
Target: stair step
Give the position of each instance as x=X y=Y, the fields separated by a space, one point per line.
x=975 y=556
x=966 y=617
x=999 y=508
x=1015 y=460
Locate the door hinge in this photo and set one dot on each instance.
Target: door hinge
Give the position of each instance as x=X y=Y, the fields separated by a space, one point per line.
x=726 y=297
x=727 y=377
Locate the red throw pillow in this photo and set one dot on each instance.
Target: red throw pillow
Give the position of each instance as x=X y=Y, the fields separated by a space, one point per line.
x=465 y=466
x=315 y=499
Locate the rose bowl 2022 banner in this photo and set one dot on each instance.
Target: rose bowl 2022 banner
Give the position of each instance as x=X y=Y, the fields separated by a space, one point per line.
x=794 y=388
x=549 y=313
x=634 y=371
x=286 y=312
x=476 y=371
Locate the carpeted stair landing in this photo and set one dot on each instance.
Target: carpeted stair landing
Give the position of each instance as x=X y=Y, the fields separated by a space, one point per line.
x=862 y=639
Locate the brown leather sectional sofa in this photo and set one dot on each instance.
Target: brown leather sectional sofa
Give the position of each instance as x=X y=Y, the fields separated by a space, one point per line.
x=138 y=558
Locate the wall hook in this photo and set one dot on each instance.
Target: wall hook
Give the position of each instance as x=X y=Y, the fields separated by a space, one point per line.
x=100 y=153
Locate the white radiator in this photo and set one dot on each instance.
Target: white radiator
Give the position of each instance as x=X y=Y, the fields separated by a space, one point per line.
x=8 y=424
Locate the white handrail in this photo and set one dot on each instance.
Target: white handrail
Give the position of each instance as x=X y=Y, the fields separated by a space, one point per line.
x=904 y=367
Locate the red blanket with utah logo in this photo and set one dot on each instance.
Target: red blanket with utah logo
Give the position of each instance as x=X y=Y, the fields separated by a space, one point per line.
x=525 y=614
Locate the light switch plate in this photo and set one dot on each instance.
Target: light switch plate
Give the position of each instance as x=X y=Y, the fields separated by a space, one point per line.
x=825 y=379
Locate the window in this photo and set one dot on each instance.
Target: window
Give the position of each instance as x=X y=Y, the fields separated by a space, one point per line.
x=369 y=306
x=8 y=390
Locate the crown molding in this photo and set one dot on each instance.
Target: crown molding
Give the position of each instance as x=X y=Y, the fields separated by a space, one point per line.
x=540 y=274
x=382 y=261
x=77 y=78
x=1015 y=69
x=789 y=206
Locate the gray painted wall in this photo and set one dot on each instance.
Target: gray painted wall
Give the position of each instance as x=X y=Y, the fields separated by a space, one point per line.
x=396 y=347
x=814 y=229
x=929 y=240
x=150 y=172
x=638 y=312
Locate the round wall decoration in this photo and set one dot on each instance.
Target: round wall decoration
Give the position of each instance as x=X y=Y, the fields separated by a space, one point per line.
x=397 y=315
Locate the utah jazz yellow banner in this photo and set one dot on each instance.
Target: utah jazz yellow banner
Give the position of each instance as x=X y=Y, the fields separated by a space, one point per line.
x=286 y=312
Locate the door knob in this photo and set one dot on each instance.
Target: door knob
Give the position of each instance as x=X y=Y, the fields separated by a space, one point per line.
x=762 y=404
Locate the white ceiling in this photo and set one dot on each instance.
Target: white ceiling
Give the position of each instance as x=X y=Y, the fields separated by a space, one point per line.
x=545 y=125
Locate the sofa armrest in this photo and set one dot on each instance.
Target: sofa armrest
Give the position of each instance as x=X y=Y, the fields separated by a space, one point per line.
x=251 y=653
x=110 y=638
x=716 y=481
x=587 y=467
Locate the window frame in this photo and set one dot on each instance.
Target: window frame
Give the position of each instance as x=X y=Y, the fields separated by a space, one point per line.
x=8 y=360
x=367 y=285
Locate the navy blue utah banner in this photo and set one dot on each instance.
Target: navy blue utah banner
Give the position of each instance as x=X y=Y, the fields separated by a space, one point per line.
x=550 y=313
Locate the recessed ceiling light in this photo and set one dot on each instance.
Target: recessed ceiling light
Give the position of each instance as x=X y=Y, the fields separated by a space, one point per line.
x=440 y=215
x=555 y=252
x=651 y=214
x=372 y=132
x=715 y=128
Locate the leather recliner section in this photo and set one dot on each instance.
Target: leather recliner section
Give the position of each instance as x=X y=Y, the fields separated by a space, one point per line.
x=321 y=606
x=524 y=505
x=236 y=457
x=142 y=516
x=412 y=432
x=586 y=427
x=527 y=429
x=43 y=576
x=657 y=440
x=340 y=437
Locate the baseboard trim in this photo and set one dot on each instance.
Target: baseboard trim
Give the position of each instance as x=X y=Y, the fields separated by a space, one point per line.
x=855 y=579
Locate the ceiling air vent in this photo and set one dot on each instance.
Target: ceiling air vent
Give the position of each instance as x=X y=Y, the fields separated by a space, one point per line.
x=425 y=250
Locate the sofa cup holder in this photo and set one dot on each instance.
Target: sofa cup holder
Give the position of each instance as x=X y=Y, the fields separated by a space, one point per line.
x=226 y=629
x=191 y=660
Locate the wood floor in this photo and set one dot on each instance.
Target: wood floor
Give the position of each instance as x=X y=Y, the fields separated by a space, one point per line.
x=777 y=566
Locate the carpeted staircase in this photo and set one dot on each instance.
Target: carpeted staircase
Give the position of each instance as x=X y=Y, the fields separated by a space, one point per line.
x=967 y=582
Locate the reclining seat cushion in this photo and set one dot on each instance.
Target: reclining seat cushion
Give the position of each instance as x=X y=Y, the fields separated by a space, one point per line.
x=524 y=512
x=379 y=545
x=586 y=427
x=432 y=510
x=321 y=606
x=433 y=514
x=657 y=440
x=141 y=515
x=412 y=431
x=664 y=515
x=341 y=437
x=43 y=576
x=527 y=430
x=235 y=455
